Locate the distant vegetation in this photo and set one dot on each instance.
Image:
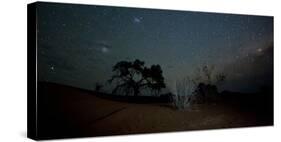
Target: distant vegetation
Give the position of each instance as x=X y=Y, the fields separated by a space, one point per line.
x=131 y=78
x=202 y=88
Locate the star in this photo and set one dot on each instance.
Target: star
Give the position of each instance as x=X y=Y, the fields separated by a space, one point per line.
x=52 y=68
x=104 y=50
x=137 y=19
x=259 y=50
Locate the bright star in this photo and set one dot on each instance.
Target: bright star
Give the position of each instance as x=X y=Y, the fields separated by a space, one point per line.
x=104 y=49
x=137 y=19
x=52 y=68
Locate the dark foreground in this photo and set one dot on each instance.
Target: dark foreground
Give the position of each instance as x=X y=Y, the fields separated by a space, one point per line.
x=67 y=112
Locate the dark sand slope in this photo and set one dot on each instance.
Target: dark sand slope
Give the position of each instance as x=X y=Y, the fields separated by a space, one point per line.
x=71 y=112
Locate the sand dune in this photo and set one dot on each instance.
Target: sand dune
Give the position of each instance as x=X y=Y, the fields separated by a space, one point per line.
x=71 y=112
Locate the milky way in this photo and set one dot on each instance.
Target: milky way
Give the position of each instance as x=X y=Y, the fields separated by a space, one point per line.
x=79 y=44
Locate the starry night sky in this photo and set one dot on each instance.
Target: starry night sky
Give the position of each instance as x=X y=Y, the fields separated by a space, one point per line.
x=79 y=44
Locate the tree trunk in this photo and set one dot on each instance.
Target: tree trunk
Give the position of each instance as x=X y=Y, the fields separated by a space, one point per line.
x=136 y=91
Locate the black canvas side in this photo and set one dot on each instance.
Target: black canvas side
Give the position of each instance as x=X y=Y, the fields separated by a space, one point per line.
x=31 y=72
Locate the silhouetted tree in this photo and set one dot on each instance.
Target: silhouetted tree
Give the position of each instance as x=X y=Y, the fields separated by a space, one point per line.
x=131 y=77
x=206 y=92
x=206 y=82
x=220 y=77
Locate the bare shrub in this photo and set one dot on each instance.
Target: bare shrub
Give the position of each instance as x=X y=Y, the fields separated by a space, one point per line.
x=182 y=97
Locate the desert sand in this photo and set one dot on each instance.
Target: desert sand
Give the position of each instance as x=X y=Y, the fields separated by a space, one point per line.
x=65 y=111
